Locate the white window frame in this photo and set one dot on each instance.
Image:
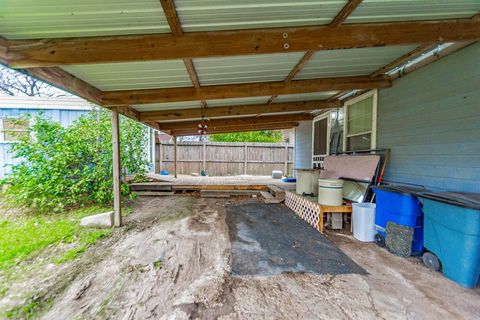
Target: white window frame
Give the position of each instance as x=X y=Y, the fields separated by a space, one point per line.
x=323 y=116
x=373 y=132
x=2 y=130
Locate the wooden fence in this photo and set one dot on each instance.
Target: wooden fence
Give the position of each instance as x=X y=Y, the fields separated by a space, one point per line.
x=225 y=158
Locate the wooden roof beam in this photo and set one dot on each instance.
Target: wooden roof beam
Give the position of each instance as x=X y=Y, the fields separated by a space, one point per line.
x=172 y=17
x=346 y=11
x=52 y=52
x=296 y=69
x=232 y=122
x=132 y=97
x=242 y=110
x=276 y=126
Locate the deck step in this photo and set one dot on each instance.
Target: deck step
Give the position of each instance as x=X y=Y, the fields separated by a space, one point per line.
x=278 y=192
x=154 y=193
x=151 y=186
x=227 y=193
x=269 y=198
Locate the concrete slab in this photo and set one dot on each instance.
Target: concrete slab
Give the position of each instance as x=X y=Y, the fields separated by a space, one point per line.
x=101 y=220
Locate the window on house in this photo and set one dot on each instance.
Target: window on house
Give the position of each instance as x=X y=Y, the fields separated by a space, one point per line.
x=360 y=122
x=12 y=129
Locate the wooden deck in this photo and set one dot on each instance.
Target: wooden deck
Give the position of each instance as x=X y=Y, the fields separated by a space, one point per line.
x=243 y=180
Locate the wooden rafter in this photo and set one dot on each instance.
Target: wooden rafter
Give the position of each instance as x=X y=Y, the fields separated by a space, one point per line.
x=242 y=110
x=63 y=80
x=275 y=126
x=129 y=97
x=296 y=69
x=346 y=11
x=172 y=17
x=52 y=52
x=445 y=52
x=232 y=122
x=3 y=50
x=401 y=60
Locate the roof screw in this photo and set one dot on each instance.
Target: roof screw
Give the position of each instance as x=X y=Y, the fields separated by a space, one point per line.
x=285 y=35
x=286 y=46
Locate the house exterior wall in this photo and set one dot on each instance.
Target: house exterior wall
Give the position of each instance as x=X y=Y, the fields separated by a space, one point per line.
x=303 y=145
x=64 y=117
x=430 y=119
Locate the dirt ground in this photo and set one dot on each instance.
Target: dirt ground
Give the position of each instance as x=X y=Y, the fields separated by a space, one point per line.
x=172 y=261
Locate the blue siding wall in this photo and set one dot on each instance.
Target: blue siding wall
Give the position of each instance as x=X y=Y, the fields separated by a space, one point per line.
x=65 y=117
x=431 y=121
x=303 y=145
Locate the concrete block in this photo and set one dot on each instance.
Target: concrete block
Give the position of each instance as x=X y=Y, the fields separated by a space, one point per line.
x=101 y=220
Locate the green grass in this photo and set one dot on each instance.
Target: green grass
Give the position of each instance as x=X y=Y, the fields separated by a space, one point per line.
x=24 y=236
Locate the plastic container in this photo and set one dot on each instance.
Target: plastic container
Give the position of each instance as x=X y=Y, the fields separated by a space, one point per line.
x=452 y=234
x=400 y=205
x=330 y=192
x=307 y=181
x=363 y=218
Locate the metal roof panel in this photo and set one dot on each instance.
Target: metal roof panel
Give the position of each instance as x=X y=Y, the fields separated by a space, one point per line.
x=350 y=62
x=133 y=75
x=34 y=19
x=246 y=68
x=404 y=10
x=210 y=15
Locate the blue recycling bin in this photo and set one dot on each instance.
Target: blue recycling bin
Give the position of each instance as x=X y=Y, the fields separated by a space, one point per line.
x=452 y=233
x=400 y=205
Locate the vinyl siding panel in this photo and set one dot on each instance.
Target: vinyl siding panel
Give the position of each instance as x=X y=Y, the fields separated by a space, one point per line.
x=303 y=145
x=65 y=117
x=431 y=121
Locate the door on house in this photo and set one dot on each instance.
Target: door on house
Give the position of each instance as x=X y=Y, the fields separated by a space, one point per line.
x=321 y=138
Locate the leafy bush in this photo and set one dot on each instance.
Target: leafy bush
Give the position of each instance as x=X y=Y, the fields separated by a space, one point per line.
x=253 y=136
x=67 y=167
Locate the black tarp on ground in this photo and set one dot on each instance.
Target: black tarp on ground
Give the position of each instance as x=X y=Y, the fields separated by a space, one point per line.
x=269 y=239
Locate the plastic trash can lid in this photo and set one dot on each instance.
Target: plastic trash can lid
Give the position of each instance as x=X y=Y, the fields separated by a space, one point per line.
x=401 y=189
x=461 y=199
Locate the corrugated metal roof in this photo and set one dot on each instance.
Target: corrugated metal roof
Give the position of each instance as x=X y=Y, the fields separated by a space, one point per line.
x=167 y=106
x=237 y=101
x=22 y=19
x=133 y=75
x=403 y=10
x=350 y=62
x=210 y=15
x=246 y=68
x=305 y=96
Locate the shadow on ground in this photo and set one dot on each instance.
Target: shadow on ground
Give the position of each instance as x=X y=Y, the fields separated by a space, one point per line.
x=270 y=239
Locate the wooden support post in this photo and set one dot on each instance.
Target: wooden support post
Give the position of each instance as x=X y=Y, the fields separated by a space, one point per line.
x=204 y=156
x=245 y=159
x=160 y=156
x=117 y=200
x=286 y=161
x=175 y=156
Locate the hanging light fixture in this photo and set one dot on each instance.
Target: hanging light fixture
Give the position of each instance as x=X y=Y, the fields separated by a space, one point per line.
x=202 y=127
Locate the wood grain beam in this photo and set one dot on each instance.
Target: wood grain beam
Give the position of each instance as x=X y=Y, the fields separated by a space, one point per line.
x=52 y=52
x=445 y=52
x=296 y=69
x=275 y=126
x=346 y=11
x=129 y=97
x=65 y=81
x=3 y=50
x=232 y=122
x=242 y=110
x=406 y=57
x=172 y=17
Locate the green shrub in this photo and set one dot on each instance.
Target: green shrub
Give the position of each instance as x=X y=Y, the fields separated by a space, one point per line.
x=252 y=136
x=62 y=168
